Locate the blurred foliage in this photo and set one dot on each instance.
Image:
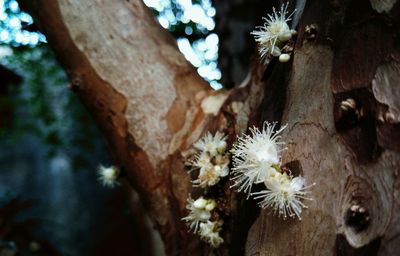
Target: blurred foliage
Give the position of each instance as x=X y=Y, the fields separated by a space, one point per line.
x=173 y=11
x=192 y=23
x=44 y=107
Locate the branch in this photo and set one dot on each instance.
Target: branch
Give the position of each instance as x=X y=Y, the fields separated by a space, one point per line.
x=144 y=95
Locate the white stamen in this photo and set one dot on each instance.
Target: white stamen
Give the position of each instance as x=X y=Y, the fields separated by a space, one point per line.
x=108 y=176
x=254 y=156
x=284 y=194
x=275 y=31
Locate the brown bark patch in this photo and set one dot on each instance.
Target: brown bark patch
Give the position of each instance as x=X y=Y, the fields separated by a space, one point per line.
x=176 y=115
x=362 y=48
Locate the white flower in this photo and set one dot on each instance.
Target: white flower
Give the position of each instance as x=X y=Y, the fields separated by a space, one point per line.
x=208 y=177
x=209 y=232
x=212 y=145
x=199 y=212
x=284 y=194
x=255 y=156
x=108 y=175
x=211 y=169
x=274 y=33
x=202 y=161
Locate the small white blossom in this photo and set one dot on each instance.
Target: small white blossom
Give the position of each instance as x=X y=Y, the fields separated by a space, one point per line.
x=209 y=232
x=212 y=161
x=208 y=177
x=212 y=145
x=199 y=212
x=255 y=156
x=202 y=161
x=275 y=31
x=211 y=170
x=284 y=194
x=108 y=176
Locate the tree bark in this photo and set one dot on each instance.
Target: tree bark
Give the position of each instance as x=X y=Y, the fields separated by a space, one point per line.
x=352 y=53
x=152 y=106
x=142 y=92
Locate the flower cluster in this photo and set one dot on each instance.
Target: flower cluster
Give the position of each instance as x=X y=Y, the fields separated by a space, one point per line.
x=108 y=176
x=212 y=160
x=199 y=220
x=257 y=159
x=271 y=37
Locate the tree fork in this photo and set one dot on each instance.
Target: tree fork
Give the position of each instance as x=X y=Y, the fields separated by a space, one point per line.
x=338 y=96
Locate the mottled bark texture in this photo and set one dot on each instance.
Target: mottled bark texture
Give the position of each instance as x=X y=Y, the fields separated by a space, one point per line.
x=339 y=96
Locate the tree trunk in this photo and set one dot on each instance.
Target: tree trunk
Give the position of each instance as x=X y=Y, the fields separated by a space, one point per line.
x=152 y=106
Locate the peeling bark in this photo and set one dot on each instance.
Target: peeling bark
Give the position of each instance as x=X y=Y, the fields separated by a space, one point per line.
x=143 y=93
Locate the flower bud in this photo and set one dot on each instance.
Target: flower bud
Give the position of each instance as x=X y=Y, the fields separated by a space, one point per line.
x=200 y=203
x=211 y=205
x=284 y=57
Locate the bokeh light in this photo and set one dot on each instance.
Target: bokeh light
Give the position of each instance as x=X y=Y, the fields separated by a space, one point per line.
x=196 y=18
x=14 y=26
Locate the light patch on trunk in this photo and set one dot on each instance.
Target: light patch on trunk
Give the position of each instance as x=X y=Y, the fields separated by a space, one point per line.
x=242 y=112
x=213 y=103
x=127 y=57
x=382 y=5
x=386 y=90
